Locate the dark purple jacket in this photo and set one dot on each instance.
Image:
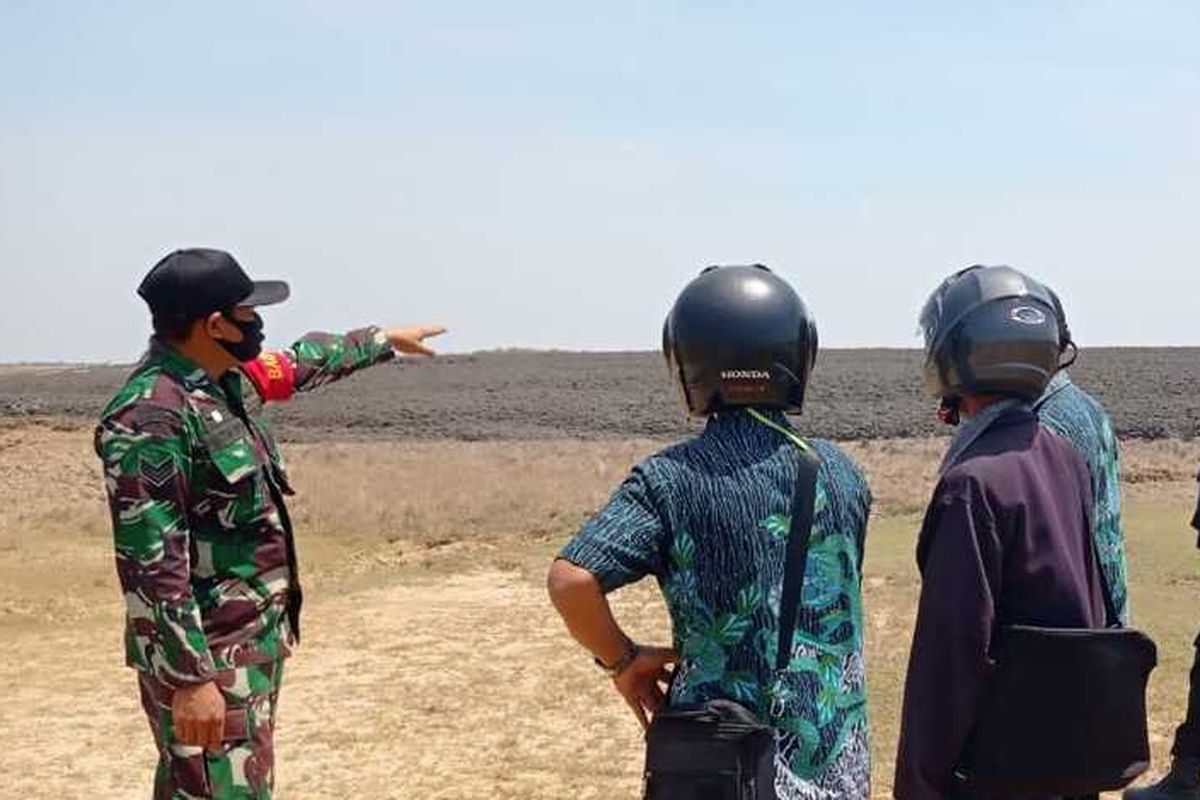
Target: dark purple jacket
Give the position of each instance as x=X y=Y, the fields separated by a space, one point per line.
x=1005 y=541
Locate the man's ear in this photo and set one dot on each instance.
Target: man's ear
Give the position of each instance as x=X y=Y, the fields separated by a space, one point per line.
x=214 y=324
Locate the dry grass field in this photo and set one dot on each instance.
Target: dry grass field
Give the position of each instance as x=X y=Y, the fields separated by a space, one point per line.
x=433 y=666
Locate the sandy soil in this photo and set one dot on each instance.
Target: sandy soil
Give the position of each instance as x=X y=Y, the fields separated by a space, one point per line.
x=433 y=667
x=440 y=690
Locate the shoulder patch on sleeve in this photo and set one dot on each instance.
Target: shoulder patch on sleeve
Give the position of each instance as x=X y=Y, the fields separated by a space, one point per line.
x=273 y=375
x=157 y=469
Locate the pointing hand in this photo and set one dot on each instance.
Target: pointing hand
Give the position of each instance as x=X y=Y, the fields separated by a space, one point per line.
x=410 y=340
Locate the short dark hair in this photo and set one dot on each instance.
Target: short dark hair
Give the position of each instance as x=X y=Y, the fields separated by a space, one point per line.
x=173 y=328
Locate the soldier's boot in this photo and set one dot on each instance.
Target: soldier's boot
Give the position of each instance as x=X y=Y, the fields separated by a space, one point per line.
x=1181 y=783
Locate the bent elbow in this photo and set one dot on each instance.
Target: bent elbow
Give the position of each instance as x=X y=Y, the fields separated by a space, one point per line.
x=565 y=581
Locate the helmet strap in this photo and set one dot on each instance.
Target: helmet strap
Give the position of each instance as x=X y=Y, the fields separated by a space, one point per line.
x=1074 y=355
x=950 y=411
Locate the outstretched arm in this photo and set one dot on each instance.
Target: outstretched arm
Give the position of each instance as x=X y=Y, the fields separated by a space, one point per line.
x=411 y=341
x=320 y=358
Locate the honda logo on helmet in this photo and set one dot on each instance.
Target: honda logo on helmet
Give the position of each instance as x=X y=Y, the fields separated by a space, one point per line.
x=1028 y=315
x=745 y=375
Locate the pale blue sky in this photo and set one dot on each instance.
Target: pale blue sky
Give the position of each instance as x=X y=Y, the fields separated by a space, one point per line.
x=549 y=174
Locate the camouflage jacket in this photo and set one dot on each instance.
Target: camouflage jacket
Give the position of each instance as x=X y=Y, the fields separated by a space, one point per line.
x=201 y=544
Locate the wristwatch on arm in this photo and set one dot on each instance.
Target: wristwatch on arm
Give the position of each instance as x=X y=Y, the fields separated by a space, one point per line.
x=622 y=663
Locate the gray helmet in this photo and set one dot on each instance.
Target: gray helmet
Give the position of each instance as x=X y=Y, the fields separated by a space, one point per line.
x=740 y=336
x=990 y=330
x=1064 y=330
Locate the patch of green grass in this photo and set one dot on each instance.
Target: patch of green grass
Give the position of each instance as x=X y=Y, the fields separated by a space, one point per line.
x=1164 y=570
x=890 y=587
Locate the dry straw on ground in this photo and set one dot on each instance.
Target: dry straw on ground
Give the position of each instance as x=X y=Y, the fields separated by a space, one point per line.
x=433 y=666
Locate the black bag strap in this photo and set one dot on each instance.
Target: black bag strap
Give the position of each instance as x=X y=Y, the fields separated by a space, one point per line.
x=799 y=536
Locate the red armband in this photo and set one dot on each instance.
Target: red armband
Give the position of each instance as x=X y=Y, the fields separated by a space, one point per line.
x=273 y=375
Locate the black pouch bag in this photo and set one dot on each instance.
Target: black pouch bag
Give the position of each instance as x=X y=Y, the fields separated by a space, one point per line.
x=721 y=750
x=1065 y=712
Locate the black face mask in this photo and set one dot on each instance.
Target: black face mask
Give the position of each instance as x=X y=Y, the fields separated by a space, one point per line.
x=250 y=346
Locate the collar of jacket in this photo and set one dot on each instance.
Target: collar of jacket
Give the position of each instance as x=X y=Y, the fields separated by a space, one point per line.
x=190 y=374
x=1060 y=381
x=734 y=418
x=976 y=426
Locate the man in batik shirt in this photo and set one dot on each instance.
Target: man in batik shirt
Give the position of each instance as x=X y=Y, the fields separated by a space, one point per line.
x=710 y=519
x=204 y=547
x=1074 y=414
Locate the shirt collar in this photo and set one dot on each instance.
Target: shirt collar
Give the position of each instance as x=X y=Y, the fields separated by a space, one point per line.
x=1060 y=381
x=739 y=422
x=740 y=418
x=975 y=427
x=174 y=363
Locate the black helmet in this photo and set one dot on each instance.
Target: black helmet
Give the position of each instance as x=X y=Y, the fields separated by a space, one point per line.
x=740 y=336
x=990 y=330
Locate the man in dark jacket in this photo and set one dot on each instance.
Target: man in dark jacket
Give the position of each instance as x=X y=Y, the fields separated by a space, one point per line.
x=1006 y=537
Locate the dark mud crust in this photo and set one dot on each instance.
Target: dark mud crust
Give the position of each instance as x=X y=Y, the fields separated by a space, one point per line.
x=855 y=394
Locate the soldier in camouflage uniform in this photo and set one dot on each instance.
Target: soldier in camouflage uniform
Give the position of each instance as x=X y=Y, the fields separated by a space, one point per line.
x=204 y=550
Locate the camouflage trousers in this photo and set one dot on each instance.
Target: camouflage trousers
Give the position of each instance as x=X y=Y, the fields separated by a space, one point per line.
x=245 y=767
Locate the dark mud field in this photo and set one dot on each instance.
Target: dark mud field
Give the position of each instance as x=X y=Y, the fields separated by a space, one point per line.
x=854 y=394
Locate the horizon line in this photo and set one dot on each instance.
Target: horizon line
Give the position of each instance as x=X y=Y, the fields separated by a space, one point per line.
x=598 y=352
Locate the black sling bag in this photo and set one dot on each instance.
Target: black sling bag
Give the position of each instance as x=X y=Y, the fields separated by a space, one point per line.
x=1065 y=711
x=721 y=750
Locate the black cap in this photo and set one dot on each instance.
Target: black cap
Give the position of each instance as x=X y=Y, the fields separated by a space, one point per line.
x=193 y=283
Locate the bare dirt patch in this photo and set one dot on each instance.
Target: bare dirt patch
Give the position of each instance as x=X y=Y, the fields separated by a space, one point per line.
x=433 y=665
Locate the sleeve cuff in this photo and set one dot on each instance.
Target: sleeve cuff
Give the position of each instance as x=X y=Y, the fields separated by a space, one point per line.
x=384 y=349
x=181 y=680
x=587 y=556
